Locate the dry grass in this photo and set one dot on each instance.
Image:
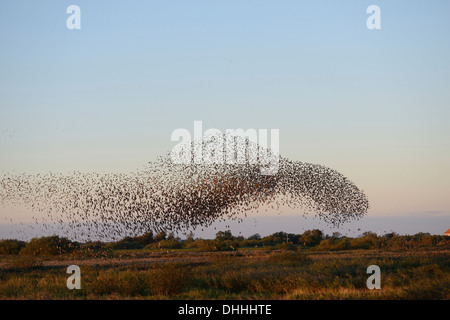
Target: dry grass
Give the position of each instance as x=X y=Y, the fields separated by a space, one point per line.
x=255 y=274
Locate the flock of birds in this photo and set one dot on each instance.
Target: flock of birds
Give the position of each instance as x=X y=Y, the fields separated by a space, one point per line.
x=178 y=197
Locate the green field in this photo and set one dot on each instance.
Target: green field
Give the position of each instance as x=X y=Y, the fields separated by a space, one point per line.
x=247 y=273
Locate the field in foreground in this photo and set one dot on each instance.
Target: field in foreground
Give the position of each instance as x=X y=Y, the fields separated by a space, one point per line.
x=241 y=274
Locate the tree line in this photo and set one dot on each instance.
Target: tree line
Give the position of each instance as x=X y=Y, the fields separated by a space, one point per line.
x=225 y=241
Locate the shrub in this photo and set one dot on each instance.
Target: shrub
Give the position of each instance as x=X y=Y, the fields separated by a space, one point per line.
x=94 y=246
x=126 y=243
x=311 y=238
x=227 y=245
x=93 y=249
x=256 y=236
x=173 y=243
x=146 y=238
x=217 y=245
x=275 y=238
x=53 y=245
x=11 y=246
x=251 y=243
x=203 y=245
x=224 y=235
x=334 y=244
x=366 y=242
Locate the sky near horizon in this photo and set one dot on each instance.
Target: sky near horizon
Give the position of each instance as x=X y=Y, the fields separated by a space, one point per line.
x=371 y=104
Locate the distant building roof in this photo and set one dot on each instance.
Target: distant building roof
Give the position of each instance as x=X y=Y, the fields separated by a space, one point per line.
x=447 y=233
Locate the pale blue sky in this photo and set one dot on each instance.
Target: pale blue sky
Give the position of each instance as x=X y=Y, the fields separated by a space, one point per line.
x=372 y=104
